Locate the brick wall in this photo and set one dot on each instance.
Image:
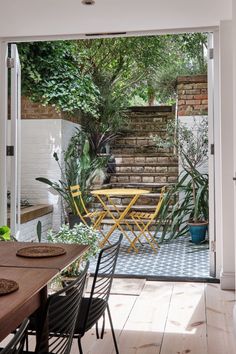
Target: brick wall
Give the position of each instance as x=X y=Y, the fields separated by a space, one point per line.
x=34 y=110
x=192 y=95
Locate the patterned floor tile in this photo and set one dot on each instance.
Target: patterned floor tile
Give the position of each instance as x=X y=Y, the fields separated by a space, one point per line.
x=178 y=258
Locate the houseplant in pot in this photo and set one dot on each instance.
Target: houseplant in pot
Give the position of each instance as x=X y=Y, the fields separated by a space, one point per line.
x=81 y=234
x=185 y=205
x=78 y=168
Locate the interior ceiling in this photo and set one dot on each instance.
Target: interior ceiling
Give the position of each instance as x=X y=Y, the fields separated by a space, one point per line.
x=71 y=17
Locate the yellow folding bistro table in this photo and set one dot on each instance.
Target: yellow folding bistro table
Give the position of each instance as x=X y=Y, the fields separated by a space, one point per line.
x=105 y=196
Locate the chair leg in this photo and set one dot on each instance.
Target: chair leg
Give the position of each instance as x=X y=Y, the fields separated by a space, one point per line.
x=103 y=326
x=80 y=346
x=112 y=330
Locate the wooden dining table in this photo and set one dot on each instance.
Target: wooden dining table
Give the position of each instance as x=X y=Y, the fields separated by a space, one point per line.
x=32 y=276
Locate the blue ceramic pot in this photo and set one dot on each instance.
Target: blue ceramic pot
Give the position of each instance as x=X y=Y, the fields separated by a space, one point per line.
x=198 y=231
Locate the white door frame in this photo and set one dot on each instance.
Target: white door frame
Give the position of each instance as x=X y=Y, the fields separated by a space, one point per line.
x=3 y=131
x=15 y=141
x=215 y=31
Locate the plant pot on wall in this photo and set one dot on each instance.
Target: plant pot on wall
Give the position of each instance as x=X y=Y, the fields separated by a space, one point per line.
x=197 y=231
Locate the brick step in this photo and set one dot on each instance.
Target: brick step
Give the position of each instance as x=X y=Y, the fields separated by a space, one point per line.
x=139 y=149
x=145 y=208
x=110 y=222
x=135 y=140
x=144 y=177
x=146 y=158
x=152 y=187
x=144 y=131
x=145 y=199
x=145 y=168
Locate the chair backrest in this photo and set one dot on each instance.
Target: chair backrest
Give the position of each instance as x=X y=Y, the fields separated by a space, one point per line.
x=159 y=204
x=16 y=344
x=102 y=282
x=60 y=317
x=78 y=200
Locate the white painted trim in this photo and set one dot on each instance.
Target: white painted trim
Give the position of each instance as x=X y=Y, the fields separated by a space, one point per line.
x=227 y=280
x=75 y=36
x=3 y=132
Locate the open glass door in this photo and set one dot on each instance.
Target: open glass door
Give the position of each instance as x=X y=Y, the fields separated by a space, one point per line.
x=14 y=150
x=211 y=165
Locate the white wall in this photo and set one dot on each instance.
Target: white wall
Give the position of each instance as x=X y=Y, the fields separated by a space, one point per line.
x=40 y=139
x=227 y=169
x=60 y=17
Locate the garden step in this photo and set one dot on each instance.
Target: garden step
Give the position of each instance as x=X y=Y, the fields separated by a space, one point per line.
x=146 y=167
x=146 y=159
x=152 y=187
x=150 y=199
x=146 y=208
x=135 y=140
x=139 y=149
x=110 y=222
x=148 y=177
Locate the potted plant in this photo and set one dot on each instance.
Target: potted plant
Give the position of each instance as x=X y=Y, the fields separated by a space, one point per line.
x=5 y=233
x=81 y=234
x=185 y=206
x=78 y=169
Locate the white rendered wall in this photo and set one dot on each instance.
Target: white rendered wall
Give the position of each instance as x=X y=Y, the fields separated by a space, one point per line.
x=28 y=229
x=227 y=166
x=40 y=139
x=58 y=17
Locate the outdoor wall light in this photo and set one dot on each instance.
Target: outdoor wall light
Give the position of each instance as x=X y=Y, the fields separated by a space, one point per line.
x=88 y=2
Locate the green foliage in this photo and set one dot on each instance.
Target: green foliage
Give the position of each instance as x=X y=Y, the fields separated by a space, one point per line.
x=101 y=77
x=51 y=74
x=78 y=169
x=5 y=233
x=188 y=198
x=39 y=230
x=179 y=205
x=82 y=234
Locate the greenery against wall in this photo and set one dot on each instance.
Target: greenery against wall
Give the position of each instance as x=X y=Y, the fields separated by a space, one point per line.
x=103 y=76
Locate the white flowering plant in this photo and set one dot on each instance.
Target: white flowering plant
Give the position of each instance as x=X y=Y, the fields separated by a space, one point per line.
x=80 y=233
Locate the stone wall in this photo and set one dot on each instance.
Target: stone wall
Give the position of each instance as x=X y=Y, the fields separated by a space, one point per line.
x=192 y=95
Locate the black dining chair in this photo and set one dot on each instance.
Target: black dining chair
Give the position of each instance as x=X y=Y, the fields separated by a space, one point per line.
x=93 y=308
x=59 y=318
x=16 y=344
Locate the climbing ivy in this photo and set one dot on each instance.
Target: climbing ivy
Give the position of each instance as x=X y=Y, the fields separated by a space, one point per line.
x=51 y=74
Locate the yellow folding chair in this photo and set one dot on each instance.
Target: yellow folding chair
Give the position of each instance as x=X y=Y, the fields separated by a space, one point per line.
x=96 y=217
x=143 y=220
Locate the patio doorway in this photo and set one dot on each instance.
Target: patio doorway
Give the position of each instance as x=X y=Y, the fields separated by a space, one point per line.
x=212 y=174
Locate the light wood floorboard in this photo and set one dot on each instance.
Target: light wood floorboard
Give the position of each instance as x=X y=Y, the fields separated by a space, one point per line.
x=166 y=318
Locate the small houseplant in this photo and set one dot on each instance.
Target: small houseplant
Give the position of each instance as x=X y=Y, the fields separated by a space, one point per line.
x=5 y=233
x=185 y=206
x=81 y=234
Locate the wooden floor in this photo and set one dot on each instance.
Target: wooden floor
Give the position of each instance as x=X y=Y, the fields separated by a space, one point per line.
x=166 y=318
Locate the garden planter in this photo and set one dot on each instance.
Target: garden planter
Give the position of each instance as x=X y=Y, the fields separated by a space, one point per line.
x=75 y=219
x=198 y=231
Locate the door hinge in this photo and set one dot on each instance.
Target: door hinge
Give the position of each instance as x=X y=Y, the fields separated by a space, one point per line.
x=212 y=149
x=10 y=63
x=213 y=246
x=211 y=53
x=10 y=150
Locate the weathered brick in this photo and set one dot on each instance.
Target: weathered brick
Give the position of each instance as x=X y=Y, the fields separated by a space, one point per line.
x=139 y=159
x=190 y=102
x=149 y=169
x=147 y=179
